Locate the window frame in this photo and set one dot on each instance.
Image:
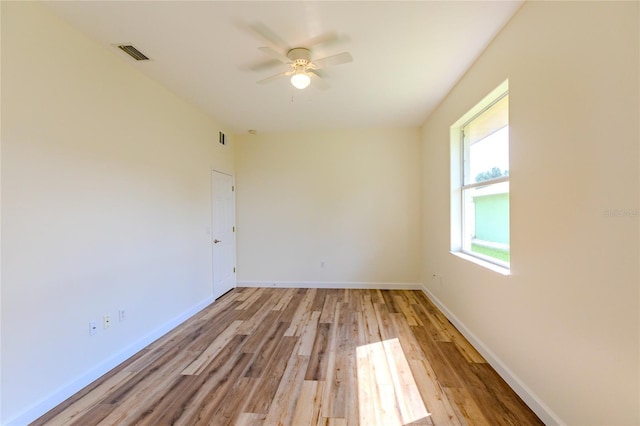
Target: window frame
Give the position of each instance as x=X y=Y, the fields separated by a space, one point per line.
x=459 y=170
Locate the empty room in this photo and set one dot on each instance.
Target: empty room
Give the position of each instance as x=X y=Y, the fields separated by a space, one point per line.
x=300 y=213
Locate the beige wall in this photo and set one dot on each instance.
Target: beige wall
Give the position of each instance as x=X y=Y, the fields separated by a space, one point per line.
x=105 y=205
x=350 y=199
x=566 y=321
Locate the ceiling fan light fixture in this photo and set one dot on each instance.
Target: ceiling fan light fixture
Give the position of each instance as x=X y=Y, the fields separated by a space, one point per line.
x=300 y=79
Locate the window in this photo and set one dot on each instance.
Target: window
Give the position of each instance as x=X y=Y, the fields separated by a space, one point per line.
x=481 y=213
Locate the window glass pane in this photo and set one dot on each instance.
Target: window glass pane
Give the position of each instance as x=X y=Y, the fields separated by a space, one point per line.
x=485 y=208
x=489 y=157
x=486 y=140
x=486 y=221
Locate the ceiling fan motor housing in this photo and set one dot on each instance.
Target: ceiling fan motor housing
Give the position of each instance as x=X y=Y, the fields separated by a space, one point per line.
x=299 y=55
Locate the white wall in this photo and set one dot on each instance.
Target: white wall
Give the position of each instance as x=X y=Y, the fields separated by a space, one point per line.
x=348 y=198
x=105 y=205
x=566 y=322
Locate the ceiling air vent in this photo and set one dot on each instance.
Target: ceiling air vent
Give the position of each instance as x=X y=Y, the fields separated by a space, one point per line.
x=133 y=52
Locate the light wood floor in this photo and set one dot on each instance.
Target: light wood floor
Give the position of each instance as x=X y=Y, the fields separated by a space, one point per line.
x=303 y=357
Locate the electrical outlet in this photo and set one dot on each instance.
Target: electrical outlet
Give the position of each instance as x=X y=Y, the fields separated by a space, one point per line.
x=106 y=321
x=93 y=328
x=121 y=315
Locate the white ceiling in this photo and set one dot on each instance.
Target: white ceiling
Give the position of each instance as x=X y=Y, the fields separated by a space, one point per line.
x=407 y=55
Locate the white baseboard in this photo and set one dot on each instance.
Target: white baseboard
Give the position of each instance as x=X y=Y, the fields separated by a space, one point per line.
x=64 y=392
x=321 y=284
x=538 y=407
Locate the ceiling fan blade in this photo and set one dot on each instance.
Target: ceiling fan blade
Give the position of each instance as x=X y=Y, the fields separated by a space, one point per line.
x=317 y=72
x=263 y=65
x=327 y=38
x=273 y=77
x=318 y=79
x=275 y=54
x=268 y=35
x=329 y=61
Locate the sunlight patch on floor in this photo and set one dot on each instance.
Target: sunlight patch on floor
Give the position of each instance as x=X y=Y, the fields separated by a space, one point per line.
x=387 y=391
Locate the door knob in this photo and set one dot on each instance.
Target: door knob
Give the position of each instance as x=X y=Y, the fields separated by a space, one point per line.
x=216 y=241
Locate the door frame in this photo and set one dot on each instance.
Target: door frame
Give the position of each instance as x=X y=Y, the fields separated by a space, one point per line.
x=212 y=236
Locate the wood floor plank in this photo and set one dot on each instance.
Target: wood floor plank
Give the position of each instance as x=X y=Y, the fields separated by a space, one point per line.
x=265 y=330
x=464 y=347
x=227 y=301
x=492 y=408
x=267 y=356
x=199 y=364
x=272 y=372
x=439 y=317
x=328 y=309
x=183 y=395
x=383 y=317
x=91 y=399
x=431 y=324
x=221 y=313
x=411 y=296
x=174 y=357
x=244 y=293
x=336 y=398
x=317 y=368
x=328 y=391
x=444 y=371
x=93 y=416
x=308 y=334
x=355 y=299
x=366 y=391
x=438 y=405
x=388 y=412
x=467 y=410
x=345 y=295
x=318 y=300
x=405 y=309
x=250 y=419
x=387 y=295
x=292 y=307
x=250 y=299
x=283 y=407
x=408 y=397
x=376 y=296
x=201 y=395
x=256 y=318
x=515 y=410
x=349 y=346
x=265 y=352
x=410 y=345
x=216 y=399
x=284 y=298
x=307 y=409
x=372 y=328
x=128 y=410
x=256 y=305
x=333 y=421
x=301 y=314
x=230 y=409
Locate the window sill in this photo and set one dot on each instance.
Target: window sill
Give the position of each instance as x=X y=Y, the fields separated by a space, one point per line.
x=491 y=266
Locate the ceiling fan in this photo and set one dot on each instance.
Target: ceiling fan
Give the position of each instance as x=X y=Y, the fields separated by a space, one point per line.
x=299 y=59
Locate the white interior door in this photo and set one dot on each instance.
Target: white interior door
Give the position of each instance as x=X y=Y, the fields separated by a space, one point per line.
x=223 y=237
